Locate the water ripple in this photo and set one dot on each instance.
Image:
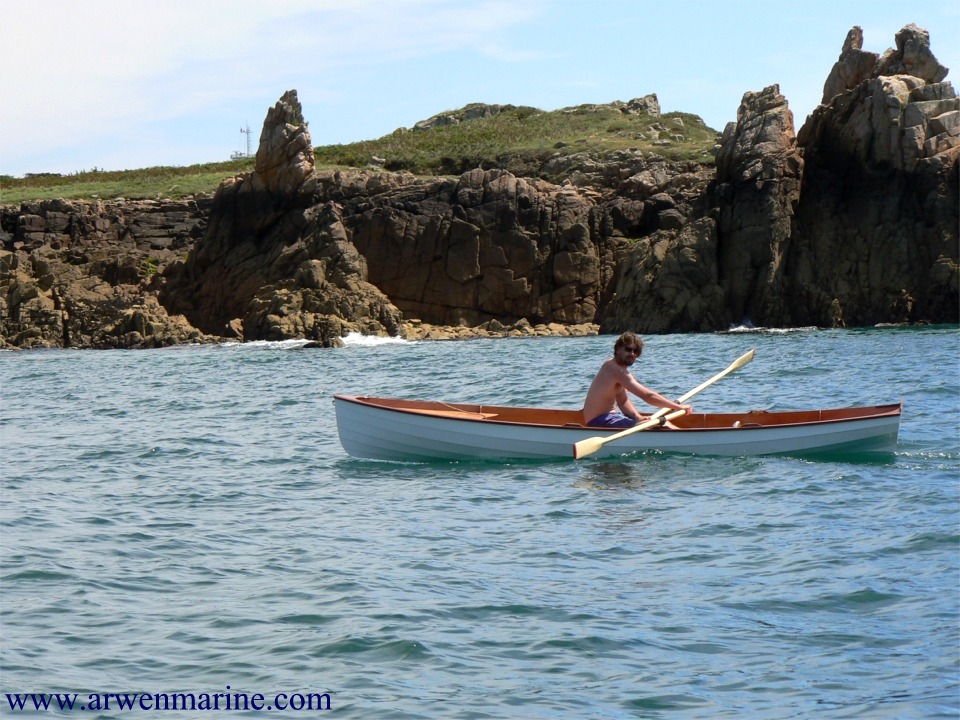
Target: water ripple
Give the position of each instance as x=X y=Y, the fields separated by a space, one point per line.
x=186 y=519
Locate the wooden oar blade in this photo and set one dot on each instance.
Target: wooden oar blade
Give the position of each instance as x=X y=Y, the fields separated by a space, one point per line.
x=587 y=447
x=735 y=365
x=742 y=360
x=591 y=445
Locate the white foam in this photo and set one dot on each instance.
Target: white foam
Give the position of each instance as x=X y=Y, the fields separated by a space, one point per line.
x=279 y=344
x=747 y=329
x=360 y=339
x=350 y=339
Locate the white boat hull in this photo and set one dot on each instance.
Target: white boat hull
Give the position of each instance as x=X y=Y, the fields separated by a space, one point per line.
x=458 y=432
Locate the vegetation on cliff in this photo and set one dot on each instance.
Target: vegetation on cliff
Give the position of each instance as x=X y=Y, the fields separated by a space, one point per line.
x=155 y=182
x=521 y=140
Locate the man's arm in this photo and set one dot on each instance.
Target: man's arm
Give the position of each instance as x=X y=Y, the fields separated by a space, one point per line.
x=626 y=406
x=652 y=397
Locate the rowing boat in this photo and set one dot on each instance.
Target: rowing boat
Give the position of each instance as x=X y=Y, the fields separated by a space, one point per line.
x=412 y=430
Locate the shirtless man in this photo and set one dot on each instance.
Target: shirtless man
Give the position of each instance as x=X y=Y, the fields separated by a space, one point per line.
x=608 y=391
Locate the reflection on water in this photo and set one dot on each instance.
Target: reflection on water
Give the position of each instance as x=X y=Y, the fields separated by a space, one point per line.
x=613 y=475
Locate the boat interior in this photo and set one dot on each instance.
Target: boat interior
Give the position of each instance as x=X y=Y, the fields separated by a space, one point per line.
x=574 y=418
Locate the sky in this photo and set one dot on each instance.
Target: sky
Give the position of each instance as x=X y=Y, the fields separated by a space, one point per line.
x=128 y=84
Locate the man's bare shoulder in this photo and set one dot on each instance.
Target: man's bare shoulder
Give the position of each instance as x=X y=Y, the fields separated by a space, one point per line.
x=613 y=366
x=614 y=370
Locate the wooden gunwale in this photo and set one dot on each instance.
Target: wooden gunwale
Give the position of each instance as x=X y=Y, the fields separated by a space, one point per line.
x=554 y=418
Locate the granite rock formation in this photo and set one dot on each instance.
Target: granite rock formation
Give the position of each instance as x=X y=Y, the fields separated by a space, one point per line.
x=489 y=245
x=875 y=231
x=484 y=246
x=851 y=221
x=274 y=264
x=86 y=274
x=725 y=265
x=316 y=254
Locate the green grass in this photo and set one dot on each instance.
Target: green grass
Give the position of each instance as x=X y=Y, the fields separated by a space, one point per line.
x=519 y=139
x=522 y=139
x=149 y=266
x=165 y=182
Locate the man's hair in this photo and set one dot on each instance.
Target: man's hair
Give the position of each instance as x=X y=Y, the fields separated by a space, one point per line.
x=629 y=338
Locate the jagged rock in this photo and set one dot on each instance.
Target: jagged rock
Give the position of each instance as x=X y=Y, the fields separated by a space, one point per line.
x=887 y=121
x=81 y=274
x=646 y=105
x=759 y=170
x=142 y=324
x=489 y=244
x=474 y=111
x=851 y=223
x=291 y=282
x=892 y=110
x=912 y=56
x=285 y=160
x=854 y=66
x=273 y=264
x=875 y=232
x=670 y=284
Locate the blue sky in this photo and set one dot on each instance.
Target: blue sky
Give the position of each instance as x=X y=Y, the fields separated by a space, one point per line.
x=125 y=84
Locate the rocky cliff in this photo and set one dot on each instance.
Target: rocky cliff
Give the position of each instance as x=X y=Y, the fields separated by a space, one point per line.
x=875 y=231
x=851 y=221
x=275 y=262
x=86 y=274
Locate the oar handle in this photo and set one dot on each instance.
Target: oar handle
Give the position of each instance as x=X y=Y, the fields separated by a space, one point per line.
x=658 y=418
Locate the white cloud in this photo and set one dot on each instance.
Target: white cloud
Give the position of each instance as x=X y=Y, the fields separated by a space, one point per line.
x=88 y=71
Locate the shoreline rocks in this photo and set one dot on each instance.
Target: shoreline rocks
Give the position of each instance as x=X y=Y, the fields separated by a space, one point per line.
x=417 y=330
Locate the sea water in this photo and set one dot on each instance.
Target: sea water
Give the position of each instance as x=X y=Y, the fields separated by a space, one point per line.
x=181 y=528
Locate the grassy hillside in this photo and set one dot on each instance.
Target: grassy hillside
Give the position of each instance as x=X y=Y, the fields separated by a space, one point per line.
x=518 y=138
x=521 y=139
x=155 y=182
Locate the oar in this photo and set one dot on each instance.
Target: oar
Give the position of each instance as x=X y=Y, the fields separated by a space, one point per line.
x=591 y=445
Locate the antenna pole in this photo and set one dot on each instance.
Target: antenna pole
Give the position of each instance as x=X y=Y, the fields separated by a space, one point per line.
x=247 y=133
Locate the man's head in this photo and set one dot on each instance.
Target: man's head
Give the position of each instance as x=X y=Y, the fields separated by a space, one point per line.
x=628 y=348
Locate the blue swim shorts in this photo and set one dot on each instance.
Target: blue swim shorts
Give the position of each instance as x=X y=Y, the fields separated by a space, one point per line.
x=612 y=420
